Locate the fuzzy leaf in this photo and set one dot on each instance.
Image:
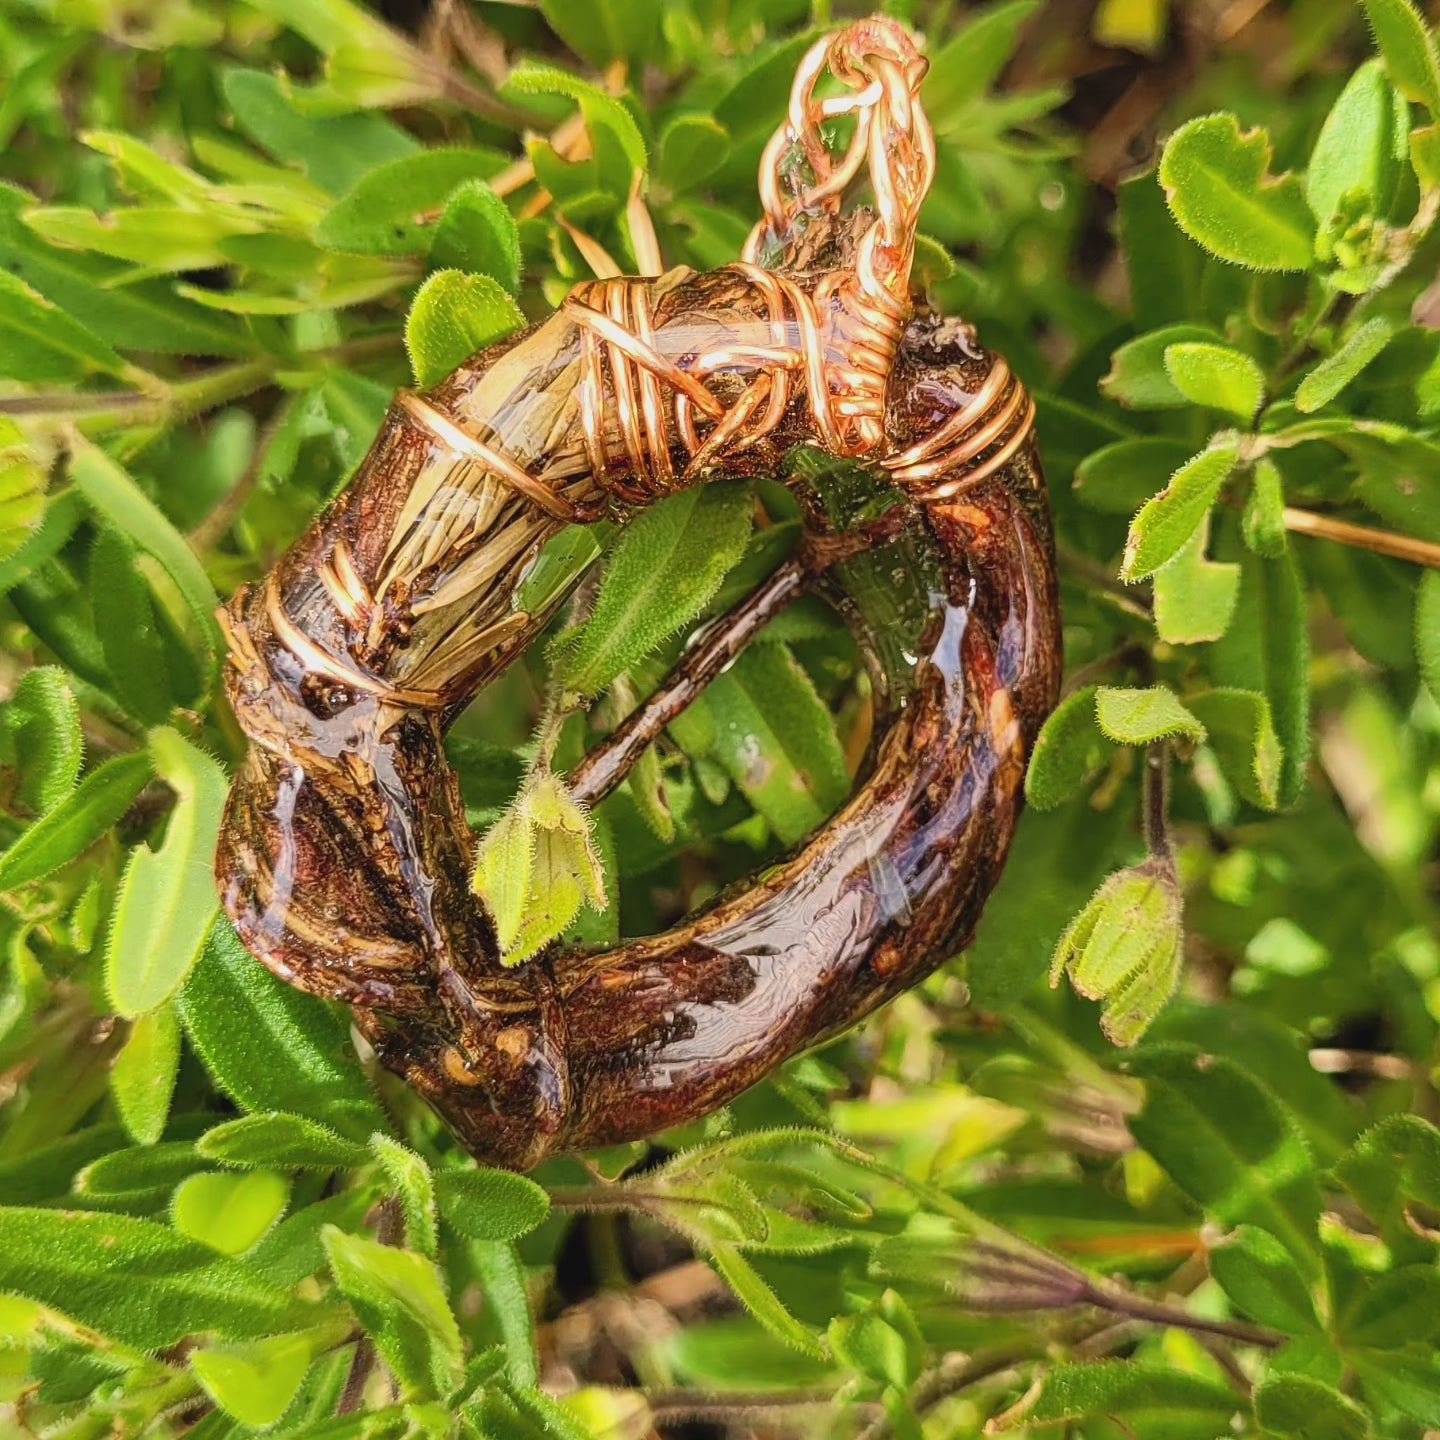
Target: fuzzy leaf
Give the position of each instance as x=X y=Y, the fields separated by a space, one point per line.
x=75 y=824
x=1242 y=734
x=39 y=342
x=1264 y=521
x=1217 y=377
x=409 y=1180
x=1195 y=597
x=485 y=1204
x=1356 y=150
x=229 y=1212
x=1142 y=716
x=1255 y=1270
x=1144 y=1395
x=280 y=1141
x=1219 y=189
x=453 y=317
x=142 y=1079
x=477 y=233
x=255 y=1383
x=166 y=905
x=1336 y=371
x=1171 y=518
x=663 y=570
x=1407 y=50
x=1138 y=377
x=1070 y=751
x=40 y=738
x=1300 y=1407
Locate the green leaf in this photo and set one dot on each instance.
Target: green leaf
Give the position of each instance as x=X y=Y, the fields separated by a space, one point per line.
x=41 y=740
x=665 y=567
x=501 y=1277
x=386 y=211
x=138 y=1282
x=1264 y=521
x=1195 y=597
x=142 y=1079
x=1166 y=522
x=1143 y=1395
x=1427 y=634
x=1242 y=734
x=764 y=724
x=1166 y=268
x=1118 y=479
x=398 y=1298
x=1142 y=716
x=692 y=148
x=453 y=317
x=478 y=233
x=1407 y=50
x=39 y=342
x=166 y=904
x=1396 y=1162
x=1270 y=653
x=22 y=500
x=124 y=614
x=409 y=1181
x=1255 y=1270
x=750 y=1289
x=1228 y=1145
x=115 y=496
x=1219 y=189
x=255 y=1383
x=1069 y=752
x=1355 y=152
x=971 y=60
x=100 y=799
x=280 y=1141
x=230 y=1213
x=1408 y=1382
x=1299 y=1407
x=268 y=1046
x=1216 y=377
x=1138 y=375
x=1336 y=371
x=484 y=1204
x=335 y=151
x=602 y=31
x=1396 y=1309
x=139 y=1168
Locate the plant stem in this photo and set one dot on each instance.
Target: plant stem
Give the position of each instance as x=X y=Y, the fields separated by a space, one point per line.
x=714 y=648
x=1363 y=537
x=1156 y=801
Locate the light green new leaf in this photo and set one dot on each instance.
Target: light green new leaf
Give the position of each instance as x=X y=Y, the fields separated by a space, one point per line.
x=255 y=1383
x=397 y=1296
x=1219 y=189
x=166 y=903
x=501 y=1275
x=760 y=1300
x=1138 y=377
x=280 y=1141
x=1142 y=716
x=40 y=738
x=1407 y=50
x=1195 y=597
x=1356 y=151
x=1263 y=524
x=1166 y=522
x=134 y=1280
x=1336 y=371
x=1216 y=377
x=1070 y=751
x=485 y=1204
x=387 y=211
x=1242 y=734
x=229 y=1213
x=39 y=342
x=1227 y=1143
x=664 y=569
x=142 y=1079
x=477 y=233
x=22 y=499
x=453 y=316
x=100 y=799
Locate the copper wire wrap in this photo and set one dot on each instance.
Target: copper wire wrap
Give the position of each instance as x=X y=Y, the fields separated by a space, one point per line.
x=833 y=338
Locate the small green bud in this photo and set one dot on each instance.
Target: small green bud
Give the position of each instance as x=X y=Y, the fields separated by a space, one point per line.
x=536 y=866
x=1124 y=948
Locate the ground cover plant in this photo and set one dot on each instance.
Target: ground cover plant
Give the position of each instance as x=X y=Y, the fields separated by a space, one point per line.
x=1156 y=1157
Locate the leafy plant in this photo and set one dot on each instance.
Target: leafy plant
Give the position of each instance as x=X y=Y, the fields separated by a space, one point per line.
x=1193 y=1191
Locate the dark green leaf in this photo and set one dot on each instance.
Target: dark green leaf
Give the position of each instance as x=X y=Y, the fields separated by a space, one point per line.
x=1427 y=630
x=692 y=148
x=1255 y=1270
x=1298 y=1407
x=1138 y=376
x=477 y=233
x=280 y=1142
x=1118 y=479
x=39 y=342
x=41 y=740
x=1242 y=735
x=1070 y=751
x=1139 y=1393
x=485 y=1204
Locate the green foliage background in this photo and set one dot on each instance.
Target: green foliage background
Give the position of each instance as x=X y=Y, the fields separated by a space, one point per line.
x=216 y=1220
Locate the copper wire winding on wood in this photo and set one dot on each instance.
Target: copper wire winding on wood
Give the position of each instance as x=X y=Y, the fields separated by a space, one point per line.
x=345 y=857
